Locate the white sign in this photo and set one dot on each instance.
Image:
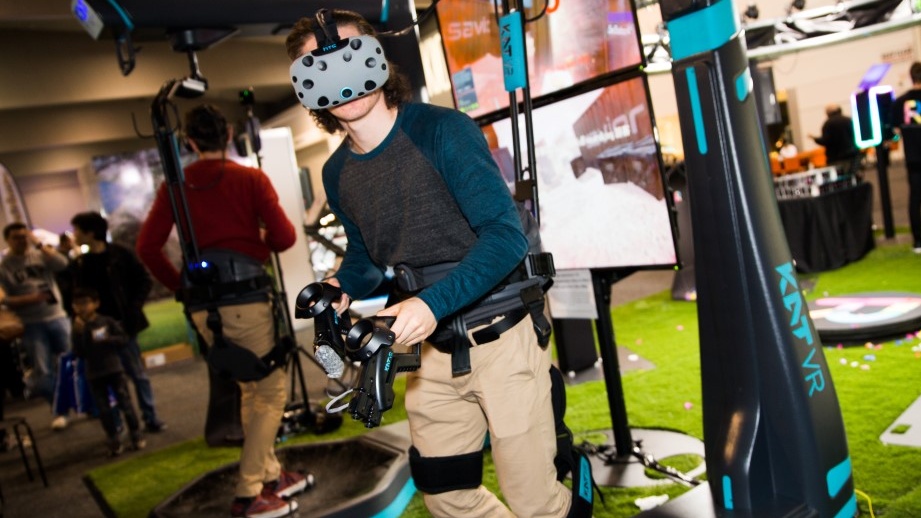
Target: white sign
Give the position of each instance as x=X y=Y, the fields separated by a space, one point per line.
x=572 y=295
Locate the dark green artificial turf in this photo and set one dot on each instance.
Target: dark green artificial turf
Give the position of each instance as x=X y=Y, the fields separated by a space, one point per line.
x=168 y=325
x=872 y=395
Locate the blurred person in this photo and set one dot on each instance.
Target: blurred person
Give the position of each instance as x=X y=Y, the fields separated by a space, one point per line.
x=10 y=379
x=417 y=190
x=838 y=140
x=27 y=275
x=97 y=341
x=906 y=121
x=122 y=284
x=64 y=278
x=237 y=223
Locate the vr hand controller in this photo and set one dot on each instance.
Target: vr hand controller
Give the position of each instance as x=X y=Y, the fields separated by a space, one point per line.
x=316 y=301
x=372 y=347
x=367 y=343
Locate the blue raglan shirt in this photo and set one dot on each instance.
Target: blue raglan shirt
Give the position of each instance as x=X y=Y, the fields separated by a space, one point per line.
x=429 y=193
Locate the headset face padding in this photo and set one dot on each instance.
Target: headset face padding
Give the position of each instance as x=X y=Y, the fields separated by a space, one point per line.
x=339 y=72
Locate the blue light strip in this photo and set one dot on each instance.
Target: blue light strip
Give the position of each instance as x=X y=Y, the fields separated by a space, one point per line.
x=727 y=493
x=696 y=111
x=837 y=477
x=129 y=25
x=849 y=510
x=385 y=11
x=875 y=121
x=744 y=84
x=704 y=30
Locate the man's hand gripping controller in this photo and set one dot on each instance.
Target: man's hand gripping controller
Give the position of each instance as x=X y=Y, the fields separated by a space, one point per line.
x=372 y=347
x=366 y=342
x=316 y=302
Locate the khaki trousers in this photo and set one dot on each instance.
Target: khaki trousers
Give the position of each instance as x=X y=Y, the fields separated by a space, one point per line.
x=507 y=393
x=262 y=402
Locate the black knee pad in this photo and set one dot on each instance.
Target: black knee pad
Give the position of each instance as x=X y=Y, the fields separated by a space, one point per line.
x=434 y=475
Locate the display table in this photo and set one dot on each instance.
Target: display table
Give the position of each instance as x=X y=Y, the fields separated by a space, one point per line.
x=831 y=230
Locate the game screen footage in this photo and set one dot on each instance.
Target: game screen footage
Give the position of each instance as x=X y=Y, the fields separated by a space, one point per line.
x=577 y=41
x=601 y=196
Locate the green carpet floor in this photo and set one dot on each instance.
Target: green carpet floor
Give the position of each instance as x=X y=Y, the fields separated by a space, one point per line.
x=886 y=380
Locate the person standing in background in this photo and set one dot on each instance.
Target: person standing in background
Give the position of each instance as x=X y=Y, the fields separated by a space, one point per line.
x=906 y=121
x=238 y=222
x=27 y=275
x=838 y=140
x=97 y=340
x=123 y=284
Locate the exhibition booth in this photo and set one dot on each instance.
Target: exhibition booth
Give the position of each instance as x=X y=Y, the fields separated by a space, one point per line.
x=565 y=104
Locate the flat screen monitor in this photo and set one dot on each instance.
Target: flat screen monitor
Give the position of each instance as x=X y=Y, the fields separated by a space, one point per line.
x=577 y=41
x=602 y=199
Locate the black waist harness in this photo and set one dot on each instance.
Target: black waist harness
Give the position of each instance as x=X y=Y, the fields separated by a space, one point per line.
x=233 y=279
x=520 y=294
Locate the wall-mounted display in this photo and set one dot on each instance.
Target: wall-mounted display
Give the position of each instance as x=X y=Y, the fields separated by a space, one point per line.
x=602 y=198
x=578 y=41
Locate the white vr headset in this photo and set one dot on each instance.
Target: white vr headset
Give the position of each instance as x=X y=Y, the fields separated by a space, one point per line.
x=339 y=72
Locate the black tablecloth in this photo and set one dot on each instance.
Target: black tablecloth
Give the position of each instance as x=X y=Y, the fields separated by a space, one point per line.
x=831 y=230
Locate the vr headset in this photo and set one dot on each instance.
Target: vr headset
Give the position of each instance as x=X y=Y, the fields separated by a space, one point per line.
x=339 y=70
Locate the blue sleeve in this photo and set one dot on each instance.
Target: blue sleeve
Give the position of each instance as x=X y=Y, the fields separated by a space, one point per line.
x=458 y=150
x=358 y=275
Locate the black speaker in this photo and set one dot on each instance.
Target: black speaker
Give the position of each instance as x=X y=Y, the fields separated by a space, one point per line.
x=575 y=344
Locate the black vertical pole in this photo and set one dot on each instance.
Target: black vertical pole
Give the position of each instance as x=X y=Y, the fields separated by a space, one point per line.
x=623 y=441
x=882 y=172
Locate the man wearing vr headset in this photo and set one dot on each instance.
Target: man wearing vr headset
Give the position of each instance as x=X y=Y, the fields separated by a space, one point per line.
x=414 y=186
x=238 y=222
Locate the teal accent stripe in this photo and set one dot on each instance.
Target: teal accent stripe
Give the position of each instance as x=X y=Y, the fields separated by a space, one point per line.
x=585 y=479
x=744 y=84
x=850 y=508
x=129 y=25
x=398 y=505
x=704 y=30
x=727 y=493
x=696 y=111
x=837 y=477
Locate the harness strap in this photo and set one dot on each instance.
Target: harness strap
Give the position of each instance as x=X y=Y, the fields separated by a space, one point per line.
x=460 y=347
x=197 y=294
x=491 y=332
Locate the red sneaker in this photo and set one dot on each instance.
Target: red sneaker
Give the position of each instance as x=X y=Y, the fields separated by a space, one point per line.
x=262 y=506
x=289 y=483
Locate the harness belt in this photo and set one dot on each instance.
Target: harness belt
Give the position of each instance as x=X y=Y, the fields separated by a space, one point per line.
x=237 y=279
x=521 y=293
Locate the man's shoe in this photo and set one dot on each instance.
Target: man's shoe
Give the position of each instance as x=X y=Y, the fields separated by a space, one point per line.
x=262 y=506
x=138 y=442
x=59 y=423
x=155 y=427
x=115 y=448
x=916 y=248
x=289 y=483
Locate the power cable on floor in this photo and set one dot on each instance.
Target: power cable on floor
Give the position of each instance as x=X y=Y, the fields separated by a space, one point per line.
x=869 y=501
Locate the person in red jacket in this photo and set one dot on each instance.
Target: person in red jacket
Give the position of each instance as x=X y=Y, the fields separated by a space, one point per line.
x=236 y=220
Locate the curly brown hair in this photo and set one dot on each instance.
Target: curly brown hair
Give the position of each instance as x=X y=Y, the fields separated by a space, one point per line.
x=396 y=90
